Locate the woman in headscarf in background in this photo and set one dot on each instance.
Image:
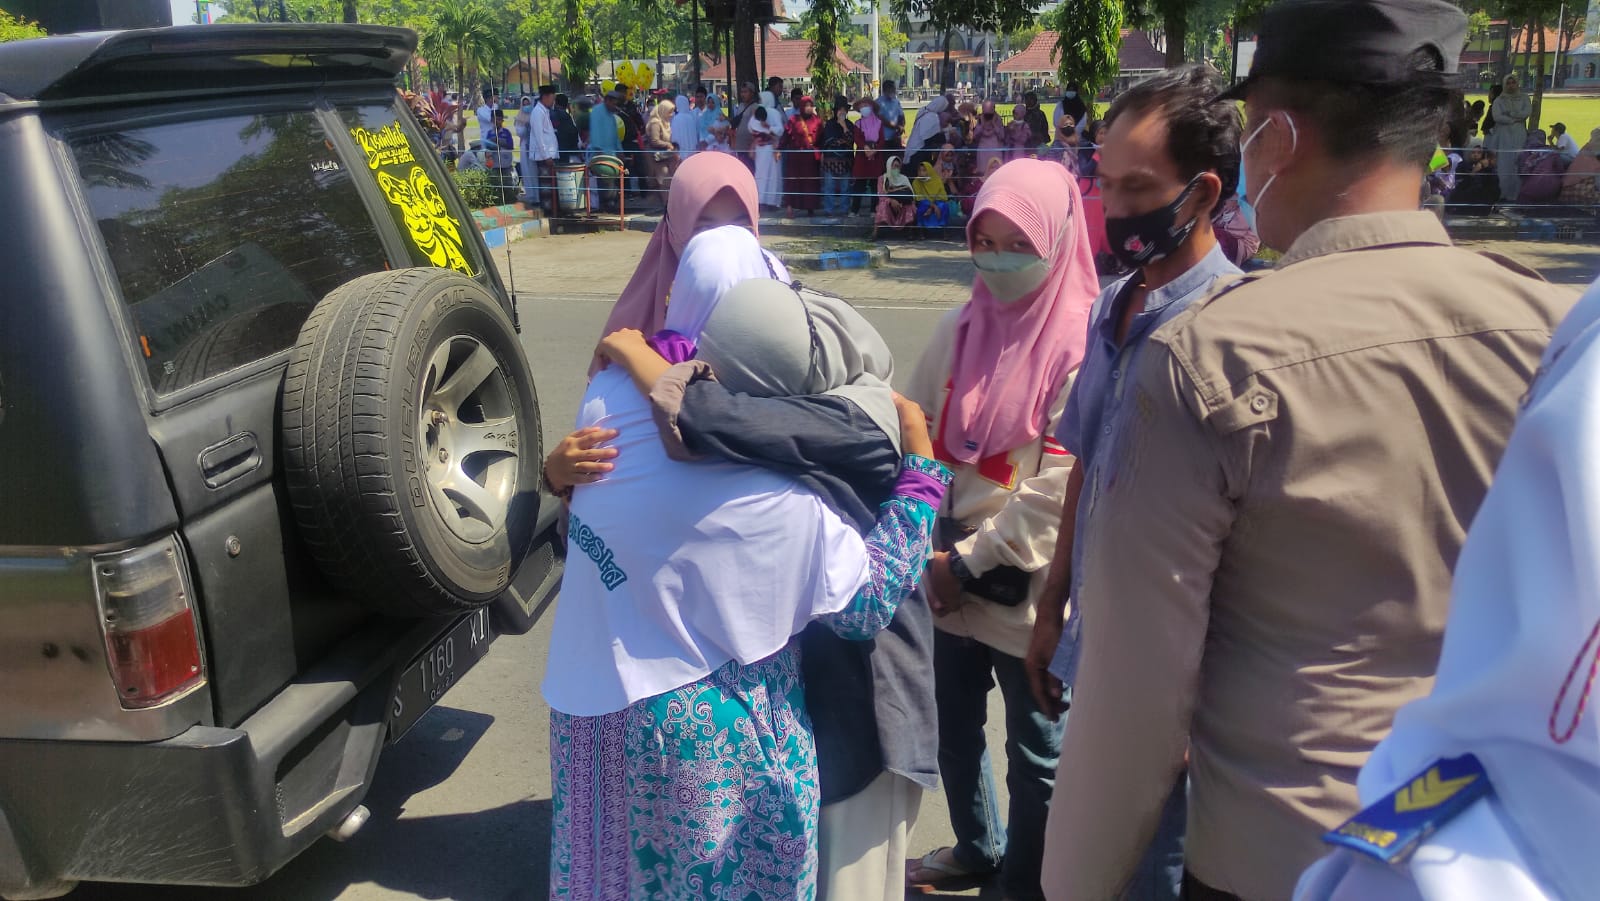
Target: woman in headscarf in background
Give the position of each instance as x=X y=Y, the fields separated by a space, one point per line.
x=933 y=192
x=1510 y=111
x=989 y=137
x=897 y=199
x=686 y=128
x=766 y=128
x=1072 y=104
x=997 y=373
x=682 y=758
x=869 y=155
x=1019 y=135
x=710 y=115
x=659 y=151
x=1063 y=148
x=926 y=130
x=802 y=159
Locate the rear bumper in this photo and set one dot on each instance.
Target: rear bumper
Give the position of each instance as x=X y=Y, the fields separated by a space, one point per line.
x=211 y=806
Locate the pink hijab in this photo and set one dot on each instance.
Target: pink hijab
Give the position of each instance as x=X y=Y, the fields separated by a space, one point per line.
x=643 y=303
x=1012 y=359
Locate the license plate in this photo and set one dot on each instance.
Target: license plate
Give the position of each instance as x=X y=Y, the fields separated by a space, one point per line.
x=428 y=677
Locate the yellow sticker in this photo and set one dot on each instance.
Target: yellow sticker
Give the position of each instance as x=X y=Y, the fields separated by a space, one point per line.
x=385 y=147
x=435 y=232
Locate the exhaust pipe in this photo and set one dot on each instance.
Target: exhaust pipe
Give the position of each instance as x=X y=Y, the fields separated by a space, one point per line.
x=351 y=824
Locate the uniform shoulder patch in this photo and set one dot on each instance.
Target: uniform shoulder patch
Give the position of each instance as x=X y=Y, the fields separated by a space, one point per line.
x=1402 y=820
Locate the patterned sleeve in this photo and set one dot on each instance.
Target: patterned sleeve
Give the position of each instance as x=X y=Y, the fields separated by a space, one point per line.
x=897 y=549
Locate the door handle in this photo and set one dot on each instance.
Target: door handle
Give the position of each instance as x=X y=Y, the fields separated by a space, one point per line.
x=229 y=460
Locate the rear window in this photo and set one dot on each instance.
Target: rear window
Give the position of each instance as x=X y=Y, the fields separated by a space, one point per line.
x=224 y=233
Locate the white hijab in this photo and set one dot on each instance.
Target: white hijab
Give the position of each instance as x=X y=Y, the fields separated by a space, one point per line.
x=926 y=125
x=1525 y=602
x=775 y=119
x=723 y=257
x=675 y=568
x=685 y=127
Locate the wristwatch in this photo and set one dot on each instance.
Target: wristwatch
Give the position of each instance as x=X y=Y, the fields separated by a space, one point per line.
x=959 y=568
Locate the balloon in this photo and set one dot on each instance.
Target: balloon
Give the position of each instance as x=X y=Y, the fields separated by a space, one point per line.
x=608 y=86
x=625 y=73
x=647 y=76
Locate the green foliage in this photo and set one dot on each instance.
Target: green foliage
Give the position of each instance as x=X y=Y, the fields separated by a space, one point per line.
x=477 y=189
x=827 y=76
x=15 y=28
x=579 y=60
x=1088 y=41
x=998 y=16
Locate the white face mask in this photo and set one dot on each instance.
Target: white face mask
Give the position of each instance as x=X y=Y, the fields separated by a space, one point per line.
x=1011 y=276
x=1250 y=207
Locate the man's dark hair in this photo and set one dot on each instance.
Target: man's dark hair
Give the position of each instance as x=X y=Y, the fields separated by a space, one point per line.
x=562 y=101
x=1202 y=131
x=1358 y=122
x=796 y=93
x=1030 y=99
x=545 y=90
x=1560 y=128
x=701 y=90
x=774 y=79
x=888 y=85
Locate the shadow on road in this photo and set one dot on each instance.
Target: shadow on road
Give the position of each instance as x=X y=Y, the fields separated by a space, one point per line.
x=496 y=854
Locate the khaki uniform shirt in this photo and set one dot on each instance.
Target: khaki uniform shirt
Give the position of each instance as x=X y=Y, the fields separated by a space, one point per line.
x=1267 y=578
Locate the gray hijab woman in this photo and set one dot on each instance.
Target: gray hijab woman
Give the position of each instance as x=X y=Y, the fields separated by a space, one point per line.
x=1510 y=111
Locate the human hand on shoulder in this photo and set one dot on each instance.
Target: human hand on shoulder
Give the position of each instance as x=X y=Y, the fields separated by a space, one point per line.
x=914 y=437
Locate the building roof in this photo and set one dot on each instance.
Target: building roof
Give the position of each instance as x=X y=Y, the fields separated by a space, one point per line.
x=788 y=59
x=1137 y=54
x=544 y=66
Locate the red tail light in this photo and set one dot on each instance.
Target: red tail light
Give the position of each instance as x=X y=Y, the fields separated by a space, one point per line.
x=146 y=611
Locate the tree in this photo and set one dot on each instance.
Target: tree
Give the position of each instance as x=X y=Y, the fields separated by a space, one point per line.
x=1088 y=44
x=827 y=76
x=350 y=16
x=464 y=30
x=576 y=47
x=996 y=16
x=16 y=28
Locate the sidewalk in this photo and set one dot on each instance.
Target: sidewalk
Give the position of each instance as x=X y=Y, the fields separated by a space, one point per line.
x=918 y=275
x=928 y=274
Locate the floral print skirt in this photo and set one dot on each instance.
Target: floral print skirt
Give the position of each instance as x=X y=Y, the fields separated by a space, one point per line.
x=705 y=792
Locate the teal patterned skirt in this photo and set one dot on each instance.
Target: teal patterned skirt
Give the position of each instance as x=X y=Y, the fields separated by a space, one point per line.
x=705 y=792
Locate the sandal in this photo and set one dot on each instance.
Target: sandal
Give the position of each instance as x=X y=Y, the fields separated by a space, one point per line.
x=930 y=874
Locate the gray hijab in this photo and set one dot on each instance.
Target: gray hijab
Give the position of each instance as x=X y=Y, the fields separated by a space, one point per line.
x=766 y=339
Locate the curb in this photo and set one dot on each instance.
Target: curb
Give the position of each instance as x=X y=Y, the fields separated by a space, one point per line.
x=830 y=260
x=510 y=234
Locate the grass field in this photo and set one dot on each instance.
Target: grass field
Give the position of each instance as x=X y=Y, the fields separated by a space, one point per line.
x=1581 y=114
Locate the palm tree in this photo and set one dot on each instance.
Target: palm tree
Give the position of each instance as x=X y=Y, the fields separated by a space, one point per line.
x=464 y=28
x=350 y=16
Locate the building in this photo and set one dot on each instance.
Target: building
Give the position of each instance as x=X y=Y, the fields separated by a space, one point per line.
x=1036 y=66
x=526 y=74
x=785 y=58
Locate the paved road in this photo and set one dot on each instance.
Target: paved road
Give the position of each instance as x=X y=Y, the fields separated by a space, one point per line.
x=461 y=806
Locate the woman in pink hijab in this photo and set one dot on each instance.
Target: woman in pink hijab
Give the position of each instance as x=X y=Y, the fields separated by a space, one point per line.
x=989 y=136
x=709 y=190
x=995 y=377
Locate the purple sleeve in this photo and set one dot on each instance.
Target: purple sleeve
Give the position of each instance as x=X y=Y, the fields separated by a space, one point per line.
x=672 y=346
x=924 y=480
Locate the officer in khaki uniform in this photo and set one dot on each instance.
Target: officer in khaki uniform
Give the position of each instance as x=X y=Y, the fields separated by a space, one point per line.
x=1267 y=576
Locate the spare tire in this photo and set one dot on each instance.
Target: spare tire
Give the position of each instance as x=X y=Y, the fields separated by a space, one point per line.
x=410 y=435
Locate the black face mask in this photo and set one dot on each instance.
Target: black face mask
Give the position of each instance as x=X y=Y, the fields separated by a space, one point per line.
x=1152 y=236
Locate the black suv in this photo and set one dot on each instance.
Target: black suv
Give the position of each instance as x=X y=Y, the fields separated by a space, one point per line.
x=269 y=447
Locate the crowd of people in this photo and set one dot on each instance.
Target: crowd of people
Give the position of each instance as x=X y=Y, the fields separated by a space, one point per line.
x=1205 y=531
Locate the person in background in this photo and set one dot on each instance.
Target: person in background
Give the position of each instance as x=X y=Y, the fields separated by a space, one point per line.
x=996 y=376
x=868 y=160
x=710 y=113
x=989 y=137
x=568 y=140
x=1566 y=145
x=1505 y=731
x=1580 y=185
x=897 y=201
x=893 y=116
x=838 y=142
x=522 y=127
x=1064 y=149
x=742 y=117
x=1510 y=111
x=1477 y=184
x=1089 y=149
x=775 y=87
x=539 y=174
x=660 y=151
x=926 y=133
x=1474 y=120
x=764 y=136
x=485 y=112
x=721 y=137
x=1074 y=105
x=1487 y=129
x=1039 y=131
x=796 y=94
x=686 y=127
x=500 y=155
x=802 y=159
x=605 y=130
x=1266 y=572
x=1169 y=161
x=1019 y=134
x=934 y=206
x=639 y=162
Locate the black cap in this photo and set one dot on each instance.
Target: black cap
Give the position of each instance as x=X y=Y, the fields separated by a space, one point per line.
x=1355 y=41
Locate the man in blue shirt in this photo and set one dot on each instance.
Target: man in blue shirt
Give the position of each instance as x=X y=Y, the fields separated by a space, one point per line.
x=1169 y=160
x=605 y=140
